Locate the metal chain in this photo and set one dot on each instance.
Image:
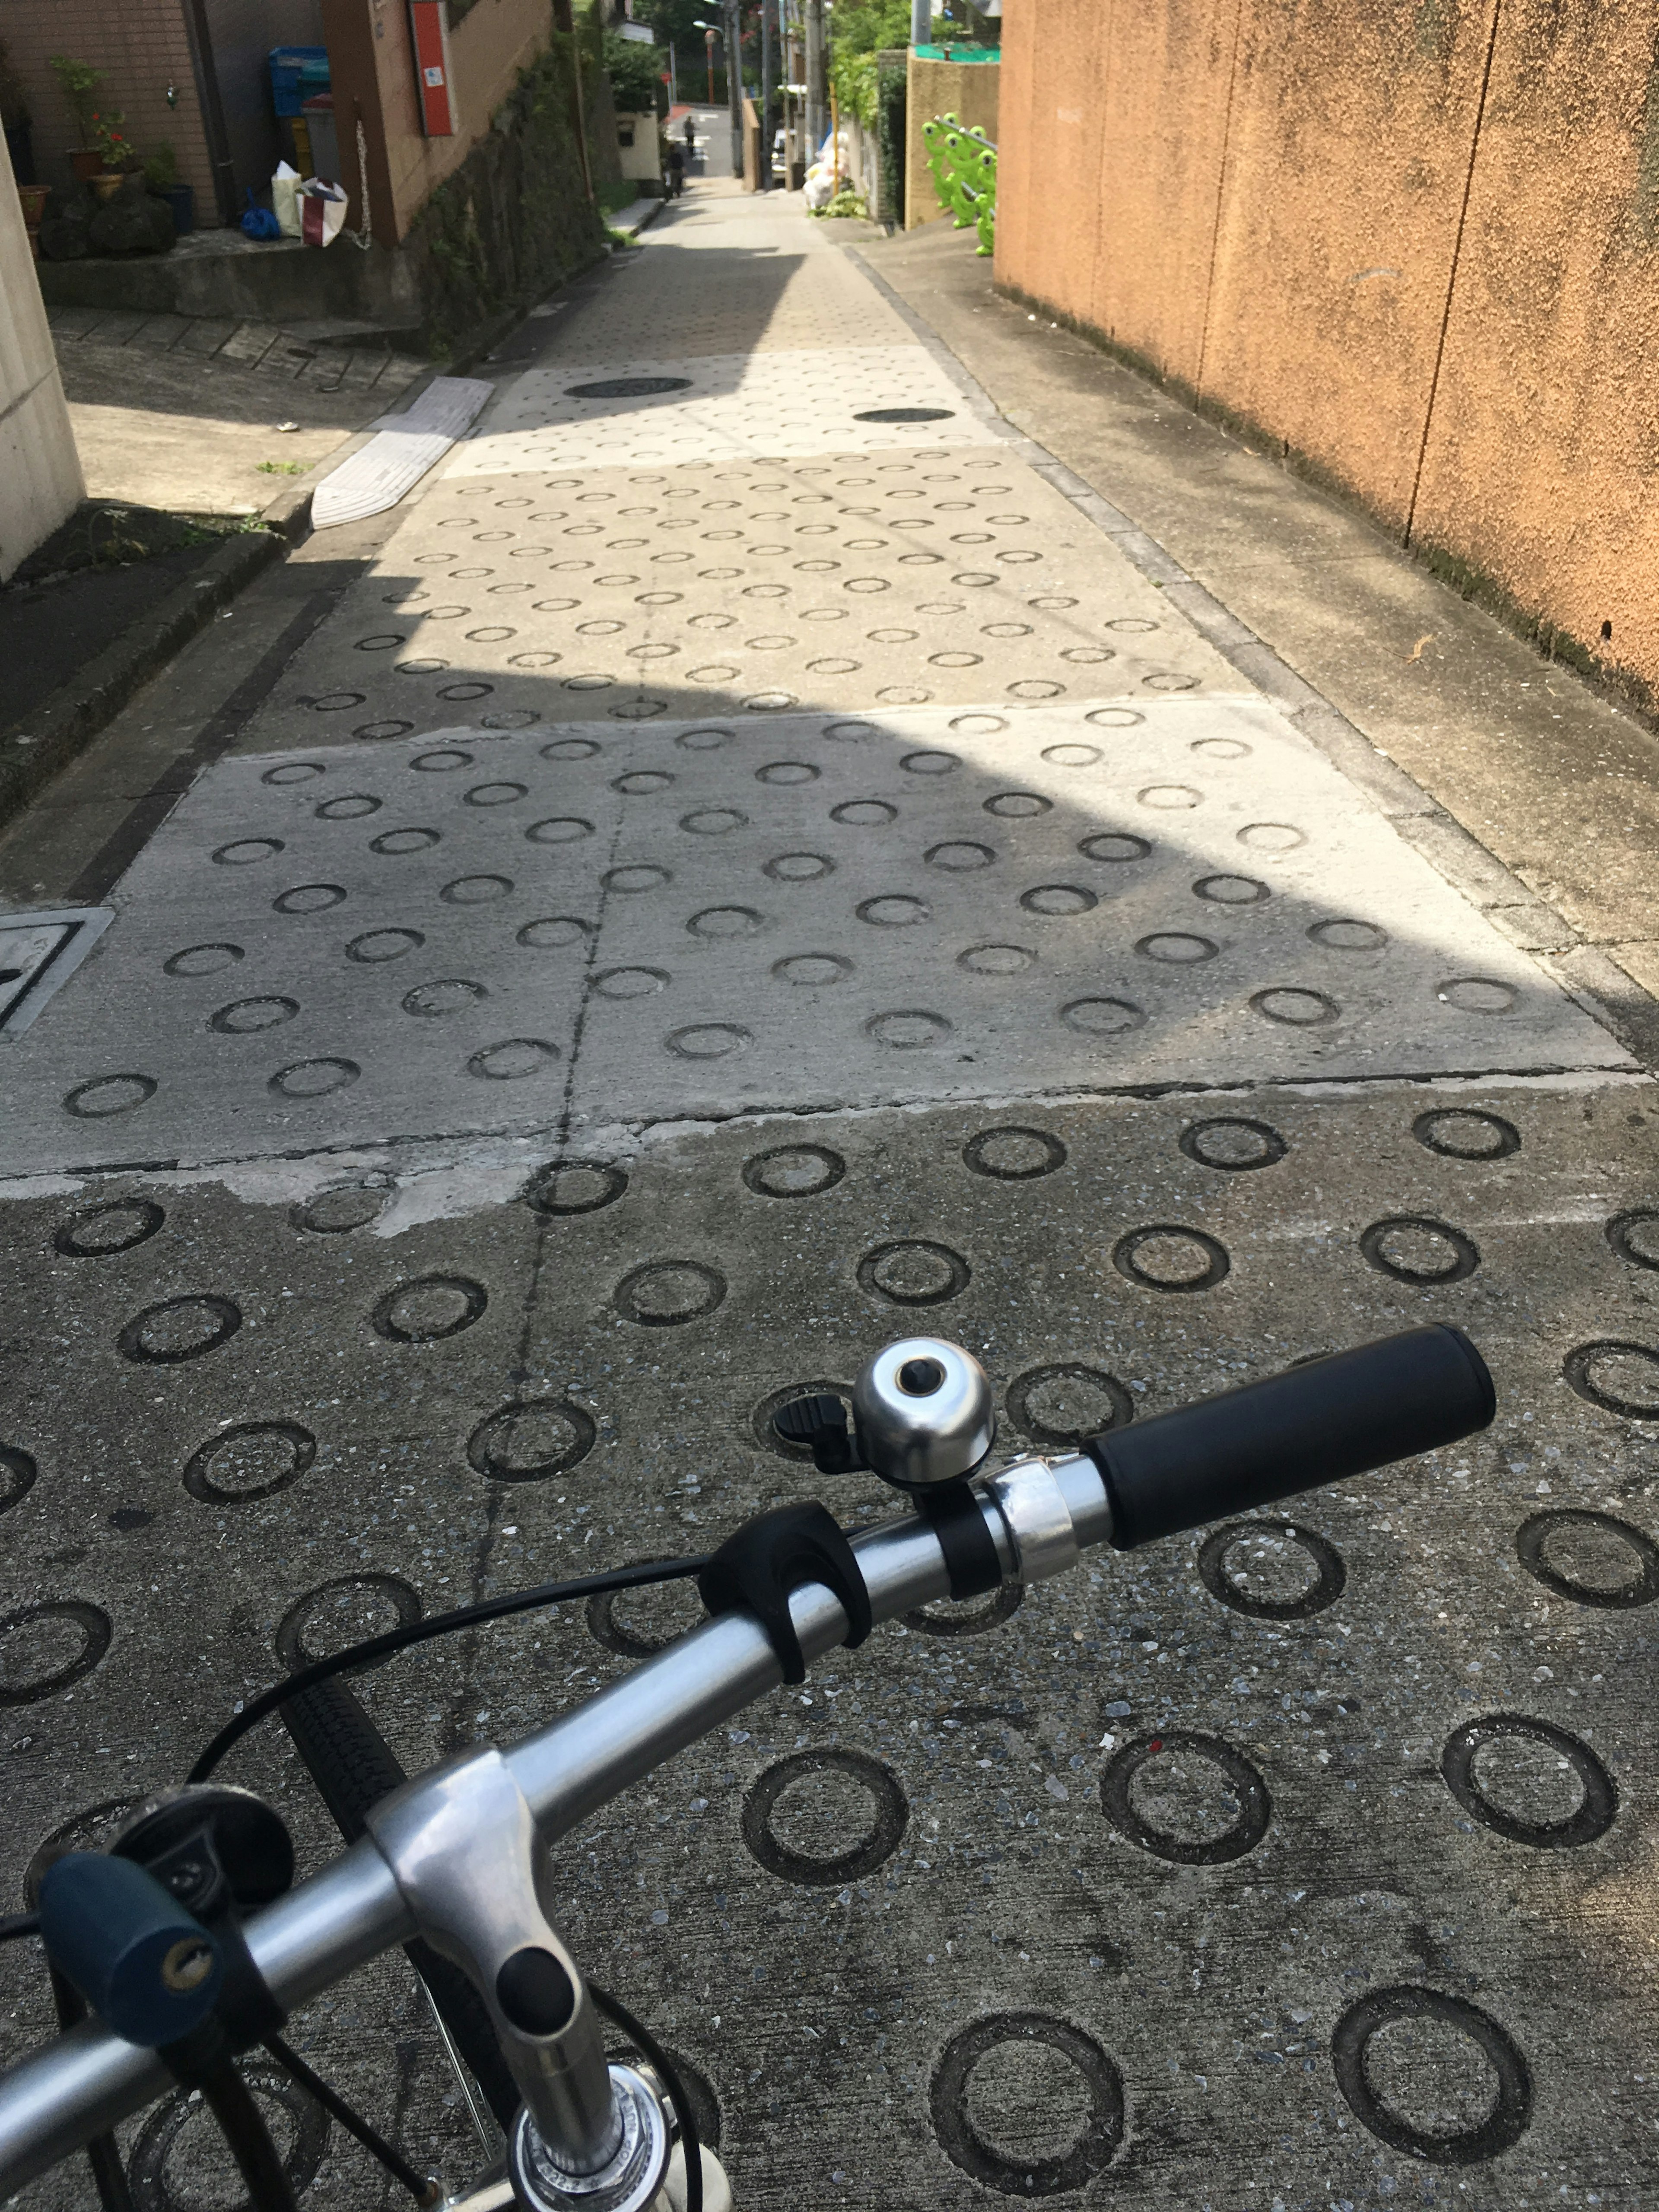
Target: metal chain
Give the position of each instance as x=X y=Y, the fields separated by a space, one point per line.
x=365 y=228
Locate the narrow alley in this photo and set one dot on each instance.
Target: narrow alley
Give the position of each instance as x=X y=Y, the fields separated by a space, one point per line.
x=756 y=856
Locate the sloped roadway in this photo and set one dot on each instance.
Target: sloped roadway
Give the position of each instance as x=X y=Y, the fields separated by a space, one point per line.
x=749 y=868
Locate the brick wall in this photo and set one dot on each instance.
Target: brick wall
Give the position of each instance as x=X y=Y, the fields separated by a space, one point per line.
x=142 y=47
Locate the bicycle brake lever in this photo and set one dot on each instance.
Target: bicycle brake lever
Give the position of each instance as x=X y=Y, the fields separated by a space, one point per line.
x=819 y=1422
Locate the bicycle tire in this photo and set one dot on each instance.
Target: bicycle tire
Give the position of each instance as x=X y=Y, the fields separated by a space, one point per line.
x=354 y=1767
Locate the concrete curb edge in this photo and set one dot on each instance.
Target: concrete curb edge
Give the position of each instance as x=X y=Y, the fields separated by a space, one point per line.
x=67 y=721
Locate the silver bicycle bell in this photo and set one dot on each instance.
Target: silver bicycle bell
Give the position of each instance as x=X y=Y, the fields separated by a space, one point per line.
x=924 y=1412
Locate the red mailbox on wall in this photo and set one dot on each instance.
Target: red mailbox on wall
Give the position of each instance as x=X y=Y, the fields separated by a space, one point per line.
x=428 y=25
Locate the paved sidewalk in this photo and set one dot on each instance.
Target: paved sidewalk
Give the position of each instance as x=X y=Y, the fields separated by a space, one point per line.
x=751 y=861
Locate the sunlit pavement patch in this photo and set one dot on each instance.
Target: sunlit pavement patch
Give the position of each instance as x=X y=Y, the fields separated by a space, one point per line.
x=499 y=930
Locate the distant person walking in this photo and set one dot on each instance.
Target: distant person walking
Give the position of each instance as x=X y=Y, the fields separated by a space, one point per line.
x=676 y=169
x=690 y=136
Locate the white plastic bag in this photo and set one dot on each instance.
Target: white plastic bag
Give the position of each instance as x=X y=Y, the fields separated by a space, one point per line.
x=283 y=186
x=322 y=211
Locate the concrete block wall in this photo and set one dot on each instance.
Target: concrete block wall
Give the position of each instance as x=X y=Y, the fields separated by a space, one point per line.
x=1414 y=243
x=639 y=146
x=40 y=480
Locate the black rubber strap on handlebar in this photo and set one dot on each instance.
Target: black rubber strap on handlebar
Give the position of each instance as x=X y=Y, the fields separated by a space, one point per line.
x=1318 y=1423
x=774 y=1553
x=956 y=1515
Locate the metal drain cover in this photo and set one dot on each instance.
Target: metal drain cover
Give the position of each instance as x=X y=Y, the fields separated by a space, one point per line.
x=38 y=953
x=905 y=415
x=629 y=388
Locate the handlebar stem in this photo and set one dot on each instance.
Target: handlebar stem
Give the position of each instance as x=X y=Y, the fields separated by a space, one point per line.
x=463 y=1848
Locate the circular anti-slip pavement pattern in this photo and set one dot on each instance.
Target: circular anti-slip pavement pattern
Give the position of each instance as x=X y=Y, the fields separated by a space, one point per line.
x=1529 y=1781
x=847 y=1842
x=1271 y=1570
x=856 y=876
x=1045 y=2128
x=1186 y=1797
x=1391 y=2044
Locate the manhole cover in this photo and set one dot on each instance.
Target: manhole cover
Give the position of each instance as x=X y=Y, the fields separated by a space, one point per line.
x=628 y=387
x=905 y=415
x=38 y=953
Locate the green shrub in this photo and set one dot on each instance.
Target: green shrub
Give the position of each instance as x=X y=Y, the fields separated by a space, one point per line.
x=633 y=69
x=77 y=81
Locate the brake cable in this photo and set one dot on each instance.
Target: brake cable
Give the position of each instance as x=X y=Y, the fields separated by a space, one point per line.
x=421 y=1631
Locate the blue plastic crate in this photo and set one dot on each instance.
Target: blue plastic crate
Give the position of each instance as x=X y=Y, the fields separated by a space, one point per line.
x=297 y=74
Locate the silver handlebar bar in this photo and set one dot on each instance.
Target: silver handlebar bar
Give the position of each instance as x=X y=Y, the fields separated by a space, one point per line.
x=1038 y=1513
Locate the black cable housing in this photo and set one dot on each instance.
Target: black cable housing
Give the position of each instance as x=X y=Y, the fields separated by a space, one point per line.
x=242 y=2124
x=652 y=2052
x=376 y=1648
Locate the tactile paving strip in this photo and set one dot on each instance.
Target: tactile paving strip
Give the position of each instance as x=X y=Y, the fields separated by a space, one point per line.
x=635 y=596
x=478 y=933
x=717 y=407
x=1305 y=1860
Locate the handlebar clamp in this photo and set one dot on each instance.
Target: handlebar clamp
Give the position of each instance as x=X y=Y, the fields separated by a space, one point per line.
x=758 y=1566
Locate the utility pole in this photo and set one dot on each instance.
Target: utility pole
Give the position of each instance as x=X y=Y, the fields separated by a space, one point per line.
x=921 y=21
x=815 y=76
x=734 y=81
x=765 y=179
x=786 y=76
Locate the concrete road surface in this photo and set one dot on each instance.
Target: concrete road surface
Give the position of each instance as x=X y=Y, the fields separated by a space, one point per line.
x=753 y=859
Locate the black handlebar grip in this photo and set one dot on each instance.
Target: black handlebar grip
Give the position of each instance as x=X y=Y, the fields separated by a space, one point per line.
x=1321 y=1423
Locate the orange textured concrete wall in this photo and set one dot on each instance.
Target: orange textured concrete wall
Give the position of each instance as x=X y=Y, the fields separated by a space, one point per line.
x=1542 y=460
x=1047 y=138
x=1347 y=152
x=1164 y=129
x=1415 y=240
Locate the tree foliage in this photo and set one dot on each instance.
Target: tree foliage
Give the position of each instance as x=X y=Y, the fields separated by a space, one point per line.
x=675 y=21
x=633 y=69
x=860 y=30
x=864 y=26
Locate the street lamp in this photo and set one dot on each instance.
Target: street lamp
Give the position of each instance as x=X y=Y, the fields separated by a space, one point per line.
x=709 y=37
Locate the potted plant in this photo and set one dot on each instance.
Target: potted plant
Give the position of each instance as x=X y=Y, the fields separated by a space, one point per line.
x=161 y=178
x=115 y=151
x=78 y=81
x=16 y=118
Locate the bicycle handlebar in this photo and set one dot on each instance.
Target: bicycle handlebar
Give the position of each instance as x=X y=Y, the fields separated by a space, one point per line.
x=1318 y=1423
x=1243 y=1449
